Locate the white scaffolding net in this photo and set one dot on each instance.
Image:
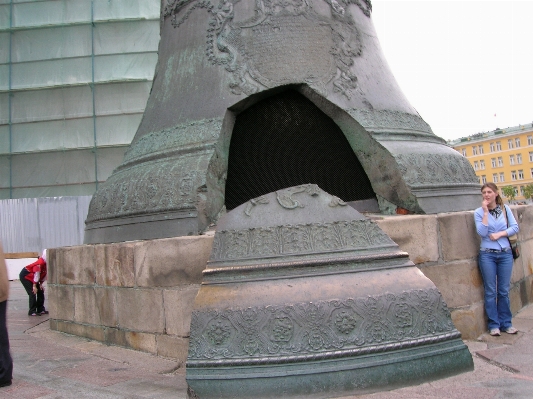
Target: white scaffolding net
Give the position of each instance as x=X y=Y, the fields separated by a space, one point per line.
x=74 y=79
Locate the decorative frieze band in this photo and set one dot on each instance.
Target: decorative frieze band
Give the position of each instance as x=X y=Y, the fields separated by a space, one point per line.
x=435 y=169
x=161 y=186
x=373 y=323
x=298 y=239
x=154 y=143
x=390 y=120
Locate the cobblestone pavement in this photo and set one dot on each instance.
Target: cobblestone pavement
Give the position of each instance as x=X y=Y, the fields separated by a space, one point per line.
x=49 y=364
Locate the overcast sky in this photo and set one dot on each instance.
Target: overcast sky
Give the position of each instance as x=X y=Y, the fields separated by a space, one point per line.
x=465 y=65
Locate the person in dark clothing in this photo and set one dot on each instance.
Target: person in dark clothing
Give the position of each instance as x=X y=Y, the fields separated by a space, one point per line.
x=6 y=362
x=32 y=278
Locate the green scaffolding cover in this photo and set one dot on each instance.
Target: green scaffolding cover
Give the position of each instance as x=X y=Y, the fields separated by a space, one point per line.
x=73 y=88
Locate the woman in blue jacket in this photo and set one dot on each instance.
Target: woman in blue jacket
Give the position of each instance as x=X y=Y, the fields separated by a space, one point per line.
x=495 y=223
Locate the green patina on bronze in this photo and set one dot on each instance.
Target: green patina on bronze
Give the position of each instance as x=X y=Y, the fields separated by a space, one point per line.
x=305 y=298
x=253 y=104
x=222 y=64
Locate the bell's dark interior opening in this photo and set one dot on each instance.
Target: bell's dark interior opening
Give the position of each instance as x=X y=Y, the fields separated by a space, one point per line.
x=284 y=141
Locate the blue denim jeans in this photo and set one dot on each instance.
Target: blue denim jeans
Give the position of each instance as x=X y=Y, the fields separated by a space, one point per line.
x=496 y=269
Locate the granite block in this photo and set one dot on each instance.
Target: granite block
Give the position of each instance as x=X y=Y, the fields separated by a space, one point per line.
x=459 y=238
x=140 y=310
x=85 y=309
x=178 y=309
x=131 y=339
x=470 y=321
x=460 y=283
x=415 y=234
x=76 y=265
x=60 y=302
x=173 y=347
x=171 y=262
x=115 y=265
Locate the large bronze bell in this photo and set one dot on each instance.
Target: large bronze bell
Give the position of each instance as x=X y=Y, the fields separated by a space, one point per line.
x=253 y=96
x=304 y=297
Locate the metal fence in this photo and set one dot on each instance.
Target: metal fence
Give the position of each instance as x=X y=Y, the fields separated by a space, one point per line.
x=32 y=224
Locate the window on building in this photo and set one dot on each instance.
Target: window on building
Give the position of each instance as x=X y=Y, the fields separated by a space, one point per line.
x=464 y=152
x=495 y=177
x=498 y=146
x=482 y=164
x=517 y=142
x=530 y=156
x=518 y=158
x=510 y=143
x=476 y=165
x=502 y=177
x=480 y=148
x=511 y=159
x=492 y=148
x=529 y=140
x=493 y=162
x=483 y=179
x=522 y=193
x=474 y=150
x=500 y=161
x=532 y=173
x=513 y=174
x=520 y=174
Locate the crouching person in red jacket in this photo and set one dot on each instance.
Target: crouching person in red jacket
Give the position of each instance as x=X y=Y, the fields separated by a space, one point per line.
x=32 y=278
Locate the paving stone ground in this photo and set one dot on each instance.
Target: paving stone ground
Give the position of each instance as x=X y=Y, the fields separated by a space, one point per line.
x=53 y=365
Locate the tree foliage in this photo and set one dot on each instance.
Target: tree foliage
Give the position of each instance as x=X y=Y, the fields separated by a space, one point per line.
x=509 y=192
x=528 y=191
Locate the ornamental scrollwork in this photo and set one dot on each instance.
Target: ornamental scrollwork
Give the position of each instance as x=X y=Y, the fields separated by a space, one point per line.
x=298 y=239
x=262 y=200
x=159 y=186
x=285 y=199
x=432 y=169
x=286 y=41
x=315 y=327
x=336 y=201
x=389 y=120
x=167 y=140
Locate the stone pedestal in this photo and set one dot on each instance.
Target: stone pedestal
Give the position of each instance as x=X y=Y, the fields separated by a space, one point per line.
x=87 y=284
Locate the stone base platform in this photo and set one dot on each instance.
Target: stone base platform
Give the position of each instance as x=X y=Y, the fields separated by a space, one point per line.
x=139 y=294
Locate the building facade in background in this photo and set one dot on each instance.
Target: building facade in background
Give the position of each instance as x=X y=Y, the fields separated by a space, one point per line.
x=75 y=76
x=503 y=156
x=74 y=80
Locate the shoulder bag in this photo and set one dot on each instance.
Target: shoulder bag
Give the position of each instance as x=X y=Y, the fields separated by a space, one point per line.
x=513 y=240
